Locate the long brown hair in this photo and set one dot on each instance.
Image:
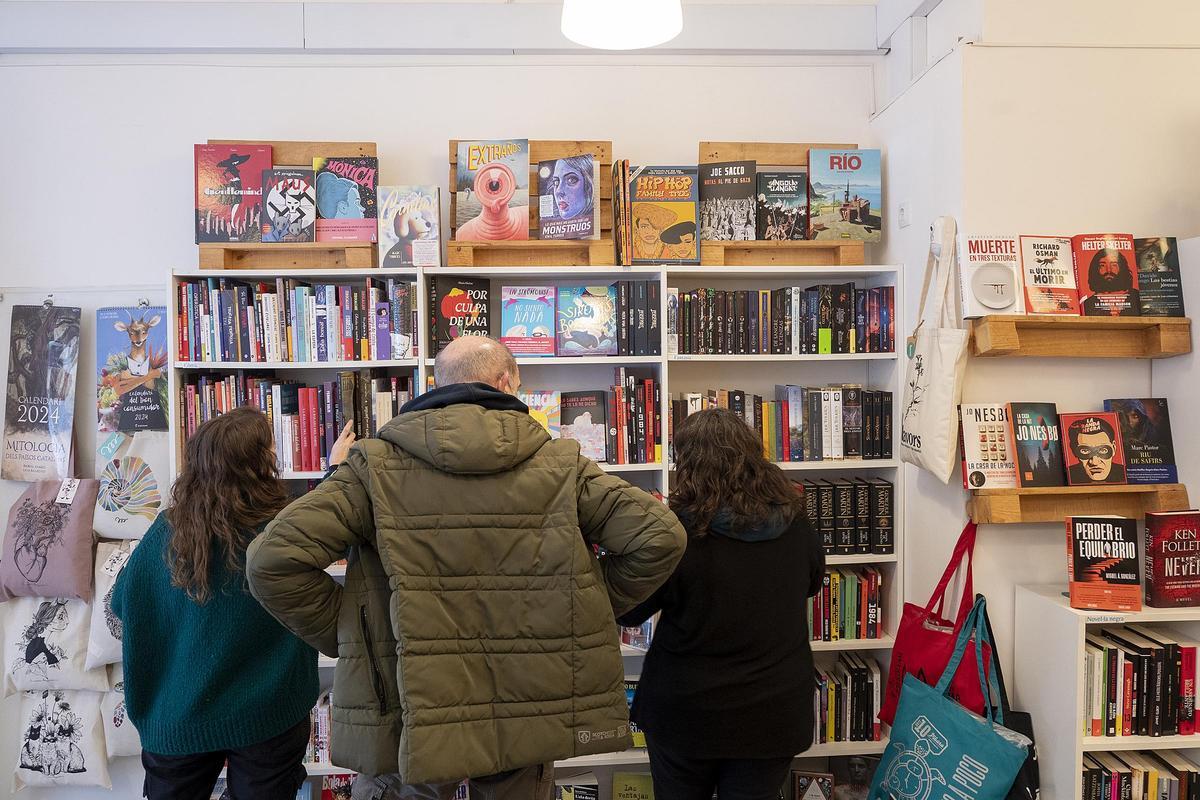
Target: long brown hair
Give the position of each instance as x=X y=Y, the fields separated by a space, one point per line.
x=719 y=463
x=229 y=486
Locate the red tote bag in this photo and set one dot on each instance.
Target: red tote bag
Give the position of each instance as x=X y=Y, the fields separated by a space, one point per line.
x=925 y=639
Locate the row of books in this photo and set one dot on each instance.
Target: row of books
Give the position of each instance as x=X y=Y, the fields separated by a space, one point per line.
x=636 y=733
x=306 y=420
x=1020 y=444
x=849 y=605
x=830 y=423
x=1140 y=681
x=852 y=516
x=846 y=702
x=296 y=321
x=818 y=320
x=1094 y=274
x=1140 y=775
x=319 y=728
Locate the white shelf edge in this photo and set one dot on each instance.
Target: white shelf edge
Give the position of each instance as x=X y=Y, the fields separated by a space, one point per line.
x=571 y=361
x=640 y=756
x=856 y=270
x=832 y=464
x=618 y=468
x=882 y=643
x=564 y=274
x=294 y=365
x=297 y=475
x=787 y=357
x=1053 y=593
x=309 y=274
x=1093 y=744
x=860 y=558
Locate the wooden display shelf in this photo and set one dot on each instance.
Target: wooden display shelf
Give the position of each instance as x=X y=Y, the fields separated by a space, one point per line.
x=1080 y=337
x=283 y=256
x=820 y=253
x=766 y=154
x=532 y=253
x=1056 y=503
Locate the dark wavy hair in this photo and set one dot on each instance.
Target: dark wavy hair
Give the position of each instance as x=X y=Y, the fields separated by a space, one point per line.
x=228 y=487
x=719 y=463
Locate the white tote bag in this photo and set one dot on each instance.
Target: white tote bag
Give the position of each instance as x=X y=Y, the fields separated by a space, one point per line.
x=937 y=352
x=120 y=737
x=104 y=636
x=62 y=741
x=134 y=485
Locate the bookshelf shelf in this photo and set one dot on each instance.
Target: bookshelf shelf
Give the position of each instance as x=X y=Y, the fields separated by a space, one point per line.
x=1055 y=503
x=630 y=757
x=1102 y=743
x=568 y=361
x=882 y=643
x=618 y=468
x=860 y=558
x=272 y=365
x=832 y=465
x=325 y=768
x=531 y=253
x=1056 y=595
x=769 y=271
x=301 y=274
x=1080 y=337
x=823 y=253
x=297 y=475
x=788 y=357
x=294 y=255
x=561 y=272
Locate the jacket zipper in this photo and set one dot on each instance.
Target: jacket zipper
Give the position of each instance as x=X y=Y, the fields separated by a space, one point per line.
x=376 y=675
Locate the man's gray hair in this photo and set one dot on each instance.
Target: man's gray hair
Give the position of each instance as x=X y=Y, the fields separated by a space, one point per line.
x=473 y=359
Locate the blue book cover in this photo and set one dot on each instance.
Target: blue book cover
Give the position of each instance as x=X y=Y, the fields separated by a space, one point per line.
x=587 y=320
x=1146 y=439
x=845 y=194
x=527 y=320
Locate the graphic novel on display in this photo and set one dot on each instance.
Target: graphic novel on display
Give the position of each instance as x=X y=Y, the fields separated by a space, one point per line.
x=1102 y=563
x=782 y=205
x=545 y=408
x=1093 y=451
x=289 y=206
x=347 y=206
x=991 y=276
x=459 y=307
x=587 y=320
x=664 y=203
x=1159 y=283
x=568 y=201
x=727 y=205
x=492 y=190
x=1172 y=558
x=410 y=230
x=527 y=319
x=1106 y=274
x=39 y=413
x=845 y=195
x=1049 y=275
x=229 y=191
x=1034 y=435
x=1145 y=429
x=584 y=420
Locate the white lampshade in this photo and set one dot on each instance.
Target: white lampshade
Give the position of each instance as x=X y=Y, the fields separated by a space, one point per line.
x=621 y=24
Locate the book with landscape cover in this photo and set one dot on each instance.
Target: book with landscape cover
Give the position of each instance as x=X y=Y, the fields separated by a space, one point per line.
x=459 y=307
x=545 y=407
x=1034 y=435
x=990 y=273
x=1160 y=288
x=492 y=187
x=527 y=319
x=1173 y=558
x=347 y=206
x=1106 y=274
x=1145 y=429
x=664 y=204
x=1048 y=273
x=1093 y=452
x=569 y=198
x=987 y=456
x=845 y=194
x=1103 y=572
x=410 y=229
x=727 y=201
x=781 y=206
x=584 y=419
x=289 y=205
x=229 y=199
x=587 y=320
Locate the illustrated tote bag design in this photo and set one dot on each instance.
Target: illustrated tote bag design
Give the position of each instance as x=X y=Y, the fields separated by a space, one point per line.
x=925 y=638
x=133 y=483
x=104 y=638
x=48 y=542
x=937 y=352
x=45 y=646
x=120 y=737
x=62 y=741
x=939 y=749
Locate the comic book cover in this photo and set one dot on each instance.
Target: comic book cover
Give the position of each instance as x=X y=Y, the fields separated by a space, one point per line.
x=527 y=319
x=1094 y=453
x=492 y=187
x=545 y=408
x=289 y=206
x=1146 y=436
x=1106 y=274
x=727 y=205
x=845 y=194
x=1034 y=434
x=410 y=226
x=1048 y=273
x=587 y=320
x=1103 y=569
x=990 y=276
x=568 y=198
x=782 y=206
x=347 y=206
x=1160 y=288
x=584 y=419
x=229 y=199
x=664 y=204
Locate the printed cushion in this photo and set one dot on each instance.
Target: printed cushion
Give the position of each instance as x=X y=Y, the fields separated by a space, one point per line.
x=45 y=646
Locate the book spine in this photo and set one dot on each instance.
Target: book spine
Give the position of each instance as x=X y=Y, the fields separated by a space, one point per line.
x=653 y=314
x=610 y=429
x=623 y=316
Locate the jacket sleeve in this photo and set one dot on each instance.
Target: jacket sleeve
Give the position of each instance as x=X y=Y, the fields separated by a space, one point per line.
x=285 y=565
x=642 y=539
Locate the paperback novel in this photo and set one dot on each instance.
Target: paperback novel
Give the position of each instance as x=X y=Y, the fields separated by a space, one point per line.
x=1172 y=558
x=459 y=307
x=845 y=194
x=584 y=419
x=664 y=204
x=347 y=207
x=587 y=320
x=782 y=206
x=987 y=456
x=229 y=191
x=289 y=206
x=1160 y=289
x=632 y=786
x=1093 y=453
x=727 y=201
x=568 y=198
x=1048 y=273
x=1103 y=572
x=1106 y=274
x=492 y=186
x=576 y=791
x=545 y=407
x=527 y=320
x=1145 y=430
x=813 y=785
x=410 y=229
x=1034 y=434
x=990 y=273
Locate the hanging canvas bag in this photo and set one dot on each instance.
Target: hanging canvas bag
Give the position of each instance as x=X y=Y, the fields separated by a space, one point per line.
x=45 y=646
x=61 y=741
x=925 y=638
x=120 y=737
x=48 y=543
x=937 y=359
x=939 y=749
x=134 y=481
x=104 y=638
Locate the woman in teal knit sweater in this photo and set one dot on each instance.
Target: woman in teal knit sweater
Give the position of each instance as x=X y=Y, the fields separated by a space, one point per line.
x=211 y=677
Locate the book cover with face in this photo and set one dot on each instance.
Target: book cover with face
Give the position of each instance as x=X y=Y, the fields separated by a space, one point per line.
x=1094 y=453
x=568 y=204
x=492 y=190
x=1106 y=274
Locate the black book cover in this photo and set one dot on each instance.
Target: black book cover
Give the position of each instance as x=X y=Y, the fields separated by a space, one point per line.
x=812 y=318
x=852 y=421
x=882 y=520
x=885 y=427
x=862 y=516
x=640 y=395
x=844 y=520
x=789 y=320
x=699 y=308
x=811 y=510
x=737 y=402
x=640 y=323
x=813 y=449
x=623 y=318
x=743 y=313
x=1159 y=283
x=752 y=323
x=710 y=321
x=610 y=428
x=653 y=310
x=242 y=292
x=843 y=316
x=460 y=308
x=825 y=516
x=720 y=302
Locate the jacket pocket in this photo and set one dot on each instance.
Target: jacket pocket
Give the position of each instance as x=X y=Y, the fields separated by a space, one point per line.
x=372 y=664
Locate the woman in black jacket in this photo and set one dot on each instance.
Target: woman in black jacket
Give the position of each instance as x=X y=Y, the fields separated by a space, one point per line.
x=726 y=692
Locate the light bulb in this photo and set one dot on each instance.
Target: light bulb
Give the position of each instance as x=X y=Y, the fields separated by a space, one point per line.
x=621 y=24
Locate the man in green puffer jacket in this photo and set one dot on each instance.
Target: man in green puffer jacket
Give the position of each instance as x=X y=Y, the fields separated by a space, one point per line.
x=475 y=632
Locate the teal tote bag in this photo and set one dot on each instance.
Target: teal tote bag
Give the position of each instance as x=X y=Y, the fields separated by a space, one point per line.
x=939 y=749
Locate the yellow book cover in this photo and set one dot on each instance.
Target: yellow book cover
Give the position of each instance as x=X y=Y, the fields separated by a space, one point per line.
x=835 y=605
x=632 y=786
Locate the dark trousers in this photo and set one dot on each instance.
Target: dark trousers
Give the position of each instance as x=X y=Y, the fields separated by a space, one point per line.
x=679 y=776
x=270 y=770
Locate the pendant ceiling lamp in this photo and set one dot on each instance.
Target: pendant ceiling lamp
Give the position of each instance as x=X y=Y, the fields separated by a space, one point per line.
x=621 y=24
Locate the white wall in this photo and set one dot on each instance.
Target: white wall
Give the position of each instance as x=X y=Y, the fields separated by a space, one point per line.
x=109 y=203
x=1087 y=23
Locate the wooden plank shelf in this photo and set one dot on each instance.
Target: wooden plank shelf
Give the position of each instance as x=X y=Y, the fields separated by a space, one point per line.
x=290 y=255
x=532 y=253
x=1056 y=503
x=820 y=253
x=1080 y=337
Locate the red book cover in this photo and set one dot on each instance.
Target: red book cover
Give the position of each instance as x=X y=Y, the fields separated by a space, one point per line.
x=1049 y=275
x=303 y=463
x=1172 y=558
x=1102 y=563
x=1093 y=453
x=346 y=304
x=1187 y=689
x=1106 y=274
x=622 y=453
x=649 y=394
x=228 y=180
x=1127 y=700
x=314 y=429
